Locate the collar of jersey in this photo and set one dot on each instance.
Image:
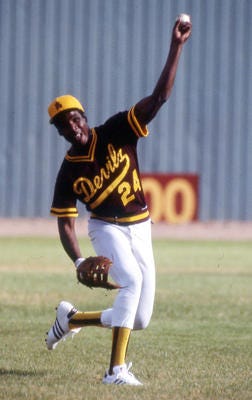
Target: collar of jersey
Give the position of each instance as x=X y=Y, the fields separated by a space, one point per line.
x=90 y=155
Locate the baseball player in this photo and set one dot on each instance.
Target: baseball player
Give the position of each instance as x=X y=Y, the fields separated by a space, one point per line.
x=101 y=170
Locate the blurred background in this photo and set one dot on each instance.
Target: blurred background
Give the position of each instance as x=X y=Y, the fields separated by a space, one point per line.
x=109 y=54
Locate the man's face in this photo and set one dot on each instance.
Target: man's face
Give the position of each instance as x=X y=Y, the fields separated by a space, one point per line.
x=73 y=126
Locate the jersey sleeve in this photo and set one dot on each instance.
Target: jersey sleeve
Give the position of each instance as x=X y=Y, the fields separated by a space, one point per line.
x=61 y=212
x=140 y=131
x=64 y=200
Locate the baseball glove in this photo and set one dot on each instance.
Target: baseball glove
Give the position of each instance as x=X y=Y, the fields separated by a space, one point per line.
x=93 y=272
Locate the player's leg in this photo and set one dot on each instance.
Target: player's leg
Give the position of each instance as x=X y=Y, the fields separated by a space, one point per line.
x=120 y=341
x=142 y=249
x=114 y=242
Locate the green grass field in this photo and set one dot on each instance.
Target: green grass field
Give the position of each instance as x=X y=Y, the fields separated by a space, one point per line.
x=198 y=345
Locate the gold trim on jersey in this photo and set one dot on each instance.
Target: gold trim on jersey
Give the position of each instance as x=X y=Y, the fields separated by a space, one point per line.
x=65 y=212
x=139 y=131
x=91 y=151
x=122 y=220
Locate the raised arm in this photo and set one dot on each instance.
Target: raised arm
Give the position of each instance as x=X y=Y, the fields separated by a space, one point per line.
x=66 y=227
x=147 y=108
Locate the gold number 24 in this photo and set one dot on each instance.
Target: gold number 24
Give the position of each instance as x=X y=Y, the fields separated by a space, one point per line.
x=125 y=188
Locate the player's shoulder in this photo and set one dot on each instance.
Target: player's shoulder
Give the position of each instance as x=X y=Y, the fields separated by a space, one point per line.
x=125 y=123
x=114 y=121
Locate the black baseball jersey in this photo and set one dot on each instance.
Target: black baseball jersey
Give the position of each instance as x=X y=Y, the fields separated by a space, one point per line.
x=105 y=177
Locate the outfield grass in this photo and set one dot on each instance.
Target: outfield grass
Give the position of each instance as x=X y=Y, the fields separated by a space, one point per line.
x=197 y=347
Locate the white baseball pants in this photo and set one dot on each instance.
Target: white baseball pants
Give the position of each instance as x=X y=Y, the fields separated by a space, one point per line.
x=130 y=249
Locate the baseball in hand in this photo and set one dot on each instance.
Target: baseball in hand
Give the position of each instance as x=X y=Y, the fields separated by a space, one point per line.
x=184 y=18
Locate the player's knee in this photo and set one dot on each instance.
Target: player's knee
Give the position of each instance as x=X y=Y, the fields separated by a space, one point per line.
x=130 y=282
x=134 y=284
x=141 y=322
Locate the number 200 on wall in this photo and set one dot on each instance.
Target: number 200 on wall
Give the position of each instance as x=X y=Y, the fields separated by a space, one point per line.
x=172 y=198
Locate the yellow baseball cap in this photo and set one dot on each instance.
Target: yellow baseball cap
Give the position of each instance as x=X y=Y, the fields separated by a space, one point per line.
x=63 y=103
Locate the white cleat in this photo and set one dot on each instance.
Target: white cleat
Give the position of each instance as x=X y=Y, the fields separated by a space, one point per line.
x=121 y=376
x=60 y=329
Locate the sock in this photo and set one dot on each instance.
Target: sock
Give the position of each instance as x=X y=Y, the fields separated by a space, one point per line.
x=89 y=318
x=120 y=341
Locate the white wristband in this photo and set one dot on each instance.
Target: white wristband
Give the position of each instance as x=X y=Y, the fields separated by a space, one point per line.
x=78 y=261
